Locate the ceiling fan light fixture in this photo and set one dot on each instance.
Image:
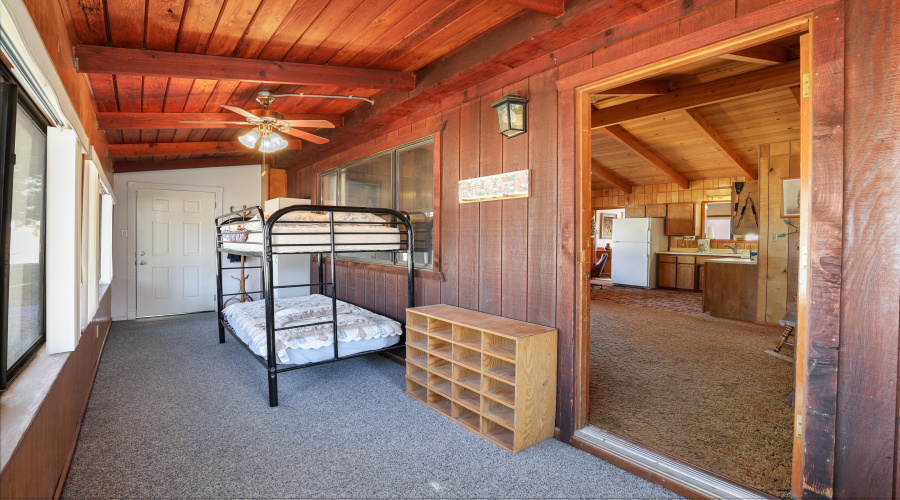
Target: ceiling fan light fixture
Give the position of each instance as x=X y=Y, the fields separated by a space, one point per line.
x=249 y=139
x=271 y=143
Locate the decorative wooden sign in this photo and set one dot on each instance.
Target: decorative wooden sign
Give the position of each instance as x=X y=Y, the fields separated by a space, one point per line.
x=495 y=187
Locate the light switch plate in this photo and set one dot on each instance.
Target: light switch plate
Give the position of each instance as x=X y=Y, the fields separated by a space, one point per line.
x=773 y=238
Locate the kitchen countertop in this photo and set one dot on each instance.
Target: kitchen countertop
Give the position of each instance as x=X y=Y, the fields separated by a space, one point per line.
x=748 y=262
x=728 y=255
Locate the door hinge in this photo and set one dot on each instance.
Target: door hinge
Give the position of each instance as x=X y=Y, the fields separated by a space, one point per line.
x=798 y=426
x=75 y=61
x=805 y=85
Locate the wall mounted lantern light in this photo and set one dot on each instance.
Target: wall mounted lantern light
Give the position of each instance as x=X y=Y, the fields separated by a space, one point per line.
x=511 y=115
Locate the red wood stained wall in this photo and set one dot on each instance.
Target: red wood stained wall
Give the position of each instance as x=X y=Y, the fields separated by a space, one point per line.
x=503 y=257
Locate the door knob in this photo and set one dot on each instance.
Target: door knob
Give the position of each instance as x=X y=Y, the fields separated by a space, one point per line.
x=142 y=263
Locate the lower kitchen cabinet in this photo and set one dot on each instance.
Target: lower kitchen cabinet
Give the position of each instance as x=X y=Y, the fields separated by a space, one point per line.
x=685 y=276
x=667 y=275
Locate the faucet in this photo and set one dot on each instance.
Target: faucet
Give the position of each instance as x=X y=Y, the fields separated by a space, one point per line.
x=733 y=248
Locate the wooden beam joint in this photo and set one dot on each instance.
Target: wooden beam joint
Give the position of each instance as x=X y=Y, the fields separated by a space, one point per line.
x=694 y=117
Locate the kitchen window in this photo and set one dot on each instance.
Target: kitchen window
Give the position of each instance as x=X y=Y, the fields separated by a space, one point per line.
x=400 y=178
x=22 y=206
x=717 y=220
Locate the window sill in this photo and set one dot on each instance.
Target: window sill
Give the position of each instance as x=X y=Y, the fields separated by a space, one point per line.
x=21 y=401
x=428 y=274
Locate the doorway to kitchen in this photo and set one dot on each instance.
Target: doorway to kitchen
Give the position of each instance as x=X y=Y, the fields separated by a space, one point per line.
x=695 y=190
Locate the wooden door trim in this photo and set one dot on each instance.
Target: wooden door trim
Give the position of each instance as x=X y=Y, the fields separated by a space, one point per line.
x=818 y=334
x=131 y=206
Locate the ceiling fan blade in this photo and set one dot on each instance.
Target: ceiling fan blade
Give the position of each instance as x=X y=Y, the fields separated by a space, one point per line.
x=242 y=112
x=307 y=136
x=311 y=123
x=236 y=124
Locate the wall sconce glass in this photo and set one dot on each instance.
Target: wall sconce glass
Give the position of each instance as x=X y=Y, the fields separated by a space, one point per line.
x=511 y=115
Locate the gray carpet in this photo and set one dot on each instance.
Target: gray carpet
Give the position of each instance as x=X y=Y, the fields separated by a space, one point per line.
x=175 y=414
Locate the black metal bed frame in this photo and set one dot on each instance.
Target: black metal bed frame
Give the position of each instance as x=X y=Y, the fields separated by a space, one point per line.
x=270 y=361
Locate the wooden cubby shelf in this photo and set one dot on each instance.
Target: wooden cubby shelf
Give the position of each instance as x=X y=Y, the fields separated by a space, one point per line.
x=495 y=376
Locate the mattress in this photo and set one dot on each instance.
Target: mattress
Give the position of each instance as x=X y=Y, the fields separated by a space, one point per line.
x=364 y=238
x=359 y=329
x=305 y=356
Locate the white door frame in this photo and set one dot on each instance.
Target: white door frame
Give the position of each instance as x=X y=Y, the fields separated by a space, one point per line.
x=133 y=186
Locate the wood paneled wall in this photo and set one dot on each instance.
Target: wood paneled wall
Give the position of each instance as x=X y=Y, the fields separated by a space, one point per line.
x=778 y=262
x=51 y=24
x=37 y=466
x=868 y=427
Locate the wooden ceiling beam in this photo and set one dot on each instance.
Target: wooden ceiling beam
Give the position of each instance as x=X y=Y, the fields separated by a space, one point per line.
x=607 y=175
x=768 y=54
x=796 y=92
x=709 y=133
x=629 y=141
x=221 y=161
x=646 y=87
x=762 y=80
x=185 y=148
x=552 y=7
x=161 y=121
x=119 y=61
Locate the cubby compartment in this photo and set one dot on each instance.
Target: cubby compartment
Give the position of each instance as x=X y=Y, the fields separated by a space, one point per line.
x=499 y=368
x=440 y=384
x=500 y=391
x=466 y=417
x=499 y=346
x=416 y=339
x=417 y=374
x=498 y=434
x=442 y=329
x=417 y=356
x=498 y=412
x=466 y=397
x=464 y=364
x=439 y=402
x=468 y=337
x=440 y=347
x=417 y=391
x=467 y=357
x=466 y=377
x=440 y=366
x=417 y=321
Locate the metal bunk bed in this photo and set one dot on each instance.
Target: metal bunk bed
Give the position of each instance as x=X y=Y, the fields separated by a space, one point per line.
x=270 y=361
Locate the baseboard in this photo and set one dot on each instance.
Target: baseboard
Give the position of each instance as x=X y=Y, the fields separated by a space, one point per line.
x=679 y=477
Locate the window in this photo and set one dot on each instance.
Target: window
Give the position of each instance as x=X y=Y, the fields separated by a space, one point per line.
x=717 y=221
x=400 y=178
x=22 y=236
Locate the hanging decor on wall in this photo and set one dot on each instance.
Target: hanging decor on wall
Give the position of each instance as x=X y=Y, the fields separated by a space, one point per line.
x=495 y=187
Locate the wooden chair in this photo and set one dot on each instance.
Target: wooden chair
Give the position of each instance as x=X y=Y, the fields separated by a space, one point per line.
x=597 y=269
x=789 y=322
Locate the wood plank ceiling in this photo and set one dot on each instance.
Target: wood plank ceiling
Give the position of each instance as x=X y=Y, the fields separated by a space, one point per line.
x=705 y=123
x=393 y=35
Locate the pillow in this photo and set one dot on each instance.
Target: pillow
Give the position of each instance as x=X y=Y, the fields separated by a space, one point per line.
x=302 y=217
x=357 y=217
x=295 y=317
x=236 y=235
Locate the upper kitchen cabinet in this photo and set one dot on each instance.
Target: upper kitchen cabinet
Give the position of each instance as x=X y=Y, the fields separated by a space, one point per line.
x=635 y=211
x=680 y=219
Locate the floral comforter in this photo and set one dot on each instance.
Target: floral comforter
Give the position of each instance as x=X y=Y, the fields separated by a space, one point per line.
x=354 y=323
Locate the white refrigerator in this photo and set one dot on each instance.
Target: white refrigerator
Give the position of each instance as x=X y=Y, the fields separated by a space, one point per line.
x=635 y=242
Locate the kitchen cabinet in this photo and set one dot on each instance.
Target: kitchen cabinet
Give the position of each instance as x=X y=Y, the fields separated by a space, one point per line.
x=635 y=211
x=667 y=275
x=685 y=276
x=680 y=219
x=655 y=210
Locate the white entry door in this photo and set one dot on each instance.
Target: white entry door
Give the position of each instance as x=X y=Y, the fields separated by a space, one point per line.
x=175 y=252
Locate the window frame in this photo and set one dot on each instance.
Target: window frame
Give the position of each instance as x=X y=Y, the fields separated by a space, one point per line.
x=8 y=374
x=398 y=146
x=706 y=216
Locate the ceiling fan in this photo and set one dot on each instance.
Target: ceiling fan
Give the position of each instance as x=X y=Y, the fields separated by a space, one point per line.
x=265 y=122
